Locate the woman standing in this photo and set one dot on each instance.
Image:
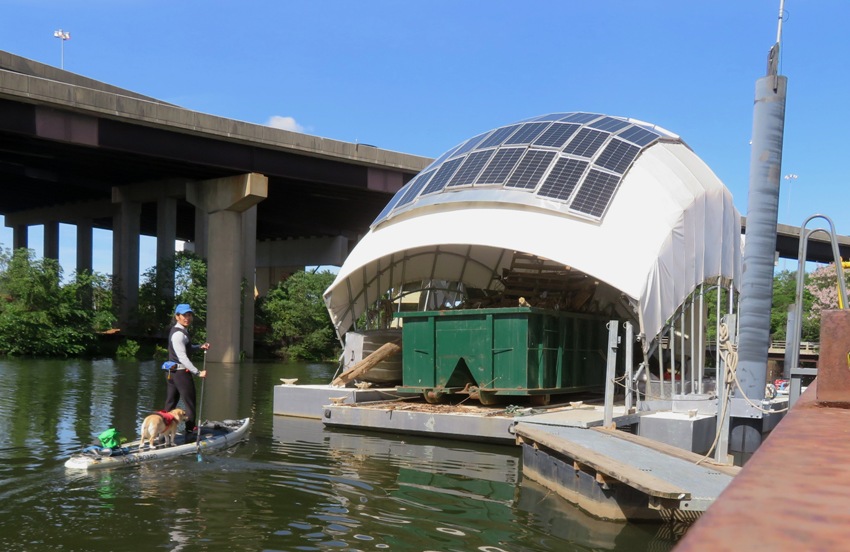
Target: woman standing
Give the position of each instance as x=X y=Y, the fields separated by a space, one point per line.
x=180 y=375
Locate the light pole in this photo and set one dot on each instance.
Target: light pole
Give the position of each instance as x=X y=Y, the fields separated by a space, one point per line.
x=789 y=178
x=63 y=36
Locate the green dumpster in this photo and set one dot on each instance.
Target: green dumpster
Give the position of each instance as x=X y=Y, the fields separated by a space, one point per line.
x=509 y=351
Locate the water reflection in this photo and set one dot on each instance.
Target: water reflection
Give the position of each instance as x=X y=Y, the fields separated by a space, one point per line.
x=294 y=485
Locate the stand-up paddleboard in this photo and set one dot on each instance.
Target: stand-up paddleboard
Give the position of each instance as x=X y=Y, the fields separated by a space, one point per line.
x=213 y=435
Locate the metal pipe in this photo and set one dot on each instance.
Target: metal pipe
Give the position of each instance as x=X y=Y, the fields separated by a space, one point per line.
x=671 y=346
x=682 y=364
x=701 y=348
x=610 y=372
x=757 y=286
x=630 y=336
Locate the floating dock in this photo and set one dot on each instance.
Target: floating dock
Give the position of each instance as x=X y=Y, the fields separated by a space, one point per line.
x=616 y=475
x=611 y=474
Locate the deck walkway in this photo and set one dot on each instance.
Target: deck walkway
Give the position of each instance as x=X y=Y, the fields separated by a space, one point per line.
x=617 y=475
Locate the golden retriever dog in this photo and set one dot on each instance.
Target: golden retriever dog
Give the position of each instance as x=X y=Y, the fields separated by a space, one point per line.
x=161 y=423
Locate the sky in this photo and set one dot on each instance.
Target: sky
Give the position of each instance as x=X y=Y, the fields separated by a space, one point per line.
x=419 y=77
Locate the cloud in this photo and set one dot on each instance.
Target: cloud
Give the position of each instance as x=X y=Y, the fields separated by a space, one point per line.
x=284 y=123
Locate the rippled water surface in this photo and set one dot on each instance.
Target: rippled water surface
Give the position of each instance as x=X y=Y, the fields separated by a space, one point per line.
x=293 y=485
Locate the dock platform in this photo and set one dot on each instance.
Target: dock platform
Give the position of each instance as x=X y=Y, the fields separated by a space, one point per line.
x=617 y=475
x=463 y=421
x=611 y=474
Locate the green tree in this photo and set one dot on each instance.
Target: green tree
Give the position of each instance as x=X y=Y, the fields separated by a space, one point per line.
x=821 y=289
x=38 y=315
x=298 y=322
x=95 y=291
x=784 y=296
x=187 y=272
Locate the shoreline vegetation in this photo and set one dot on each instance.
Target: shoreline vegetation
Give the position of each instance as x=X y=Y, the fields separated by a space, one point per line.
x=43 y=314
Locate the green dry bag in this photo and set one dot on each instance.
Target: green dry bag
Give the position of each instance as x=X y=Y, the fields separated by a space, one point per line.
x=111 y=438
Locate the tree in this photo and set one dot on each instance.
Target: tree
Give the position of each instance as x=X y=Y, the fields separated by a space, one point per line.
x=822 y=289
x=298 y=322
x=187 y=273
x=38 y=315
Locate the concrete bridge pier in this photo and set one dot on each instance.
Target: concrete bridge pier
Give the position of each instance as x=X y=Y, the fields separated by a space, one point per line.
x=84 y=245
x=225 y=200
x=51 y=240
x=202 y=223
x=20 y=236
x=249 y=263
x=166 y=235
x=125 y=256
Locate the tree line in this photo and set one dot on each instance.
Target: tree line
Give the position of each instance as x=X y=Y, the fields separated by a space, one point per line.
x=44 y=314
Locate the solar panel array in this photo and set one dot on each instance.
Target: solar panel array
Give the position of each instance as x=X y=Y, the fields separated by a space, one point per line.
x=574 y=159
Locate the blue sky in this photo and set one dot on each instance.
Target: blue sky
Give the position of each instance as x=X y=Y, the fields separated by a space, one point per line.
x=419 y=77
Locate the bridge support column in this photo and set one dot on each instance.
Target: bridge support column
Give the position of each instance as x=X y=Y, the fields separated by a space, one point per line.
x=84 y=245
x=51 y=240
x=225 y=199
x=202 y=224
x=166 y=234
x=84 y=257
x=249 y=263
x=20 y=236
x=125 y=257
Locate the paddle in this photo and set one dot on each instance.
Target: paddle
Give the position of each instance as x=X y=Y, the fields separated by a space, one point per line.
x=200 y=408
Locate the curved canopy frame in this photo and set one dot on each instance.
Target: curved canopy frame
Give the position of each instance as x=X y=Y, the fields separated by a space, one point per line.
x=670 y=226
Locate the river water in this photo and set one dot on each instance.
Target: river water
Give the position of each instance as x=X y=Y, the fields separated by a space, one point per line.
x=293 y=485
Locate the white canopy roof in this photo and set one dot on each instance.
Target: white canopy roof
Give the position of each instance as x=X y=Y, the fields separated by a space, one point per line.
x=670 y=226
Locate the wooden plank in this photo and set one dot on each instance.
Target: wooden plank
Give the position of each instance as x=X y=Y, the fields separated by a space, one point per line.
x=384 y=351
x=670 y=450
x=631 y=476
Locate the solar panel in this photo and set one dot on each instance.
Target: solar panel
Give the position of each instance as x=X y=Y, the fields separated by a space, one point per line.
x=500 y=166
x=416 y=186
x=533 y=165
x=439 y=161
x=527 y=133
x=549 y=117
x=556 y=135
x=396 y=198
x=563 y=178
x=609 y=123
x=443 y=174
x=586 y=142
x=638 y=135
x=595 y=193
x=470 y=144
x=617 y=156
x=579 y=117
x=498 y=136
x=471 y=168
x=576 y=158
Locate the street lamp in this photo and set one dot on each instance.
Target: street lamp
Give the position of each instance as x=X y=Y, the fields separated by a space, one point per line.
x=789 y=178
x=62 y=35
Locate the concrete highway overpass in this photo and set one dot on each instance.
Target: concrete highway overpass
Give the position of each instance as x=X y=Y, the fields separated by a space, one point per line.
x=77 y=151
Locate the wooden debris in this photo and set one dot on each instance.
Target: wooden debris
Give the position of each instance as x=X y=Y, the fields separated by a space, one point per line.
x=381 y=353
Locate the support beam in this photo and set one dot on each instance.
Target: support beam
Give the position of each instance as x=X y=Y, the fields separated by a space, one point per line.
x=84 y=245
x=202 y=224
x=20 y=236
x=51 y=240
x=125 y=258
x=249 y=262
x=166 y=234
x=224 y=200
